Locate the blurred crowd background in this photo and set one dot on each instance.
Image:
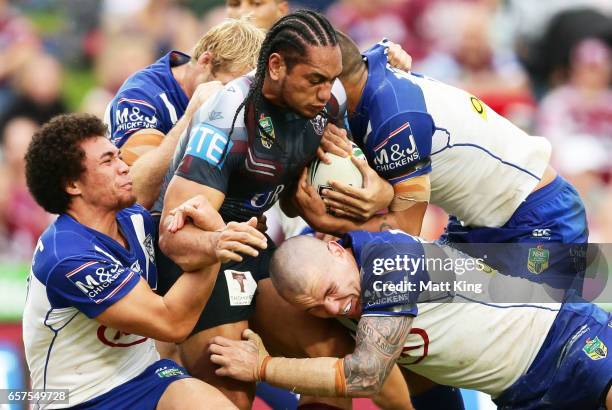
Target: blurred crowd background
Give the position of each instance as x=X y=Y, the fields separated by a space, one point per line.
x=545 y=65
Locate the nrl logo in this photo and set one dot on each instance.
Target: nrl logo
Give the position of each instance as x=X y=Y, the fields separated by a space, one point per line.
x=595 y=349
x=319 y=122
x=537 y=261
x=266 y=124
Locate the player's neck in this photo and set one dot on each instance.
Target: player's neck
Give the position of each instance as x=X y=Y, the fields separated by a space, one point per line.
x=180 y=74
x=354 y=85
x=271 y=92
x=96 y=218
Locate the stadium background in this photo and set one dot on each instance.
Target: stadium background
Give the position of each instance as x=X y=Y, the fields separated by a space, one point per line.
x=547 y=66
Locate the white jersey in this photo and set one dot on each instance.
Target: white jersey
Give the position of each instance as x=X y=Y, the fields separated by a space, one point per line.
x=481 y=166
x=77 y=273
x=469 y=341
x=485 y=347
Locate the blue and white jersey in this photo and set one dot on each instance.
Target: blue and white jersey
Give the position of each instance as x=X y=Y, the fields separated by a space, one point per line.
x=458 y=338
x=149 y=99
x=380 y=257
x=77 y=273
x=481 y=167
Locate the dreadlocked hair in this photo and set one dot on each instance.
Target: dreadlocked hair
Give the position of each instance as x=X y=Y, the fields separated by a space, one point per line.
x=290 y=36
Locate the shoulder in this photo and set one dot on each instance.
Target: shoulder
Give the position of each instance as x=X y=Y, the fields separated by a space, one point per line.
x=60 y=242
x=140 y=93
x=220 y=110
x=368 y=244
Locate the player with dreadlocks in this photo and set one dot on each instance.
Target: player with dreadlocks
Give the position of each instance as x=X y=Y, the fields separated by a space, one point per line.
x=246 y=148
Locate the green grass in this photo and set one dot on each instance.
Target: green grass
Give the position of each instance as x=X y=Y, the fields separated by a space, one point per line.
x=76 y=84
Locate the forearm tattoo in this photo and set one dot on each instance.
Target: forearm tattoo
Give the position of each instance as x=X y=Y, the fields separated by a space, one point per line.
x=379 y=343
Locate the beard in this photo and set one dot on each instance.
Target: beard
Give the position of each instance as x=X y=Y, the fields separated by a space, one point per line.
x=125 y=201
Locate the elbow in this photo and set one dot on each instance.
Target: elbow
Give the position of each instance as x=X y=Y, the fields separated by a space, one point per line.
x=366 y=390
x=369 y=389
x=180 y=334
x=165 y=241
x=371 y=380
x=174 y=333
x=166 y=245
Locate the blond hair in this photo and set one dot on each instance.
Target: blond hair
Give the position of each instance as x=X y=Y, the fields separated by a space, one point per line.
x=233 y=43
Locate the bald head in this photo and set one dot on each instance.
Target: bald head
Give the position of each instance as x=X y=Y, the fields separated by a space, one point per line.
x=296 y=264
x=352 y=60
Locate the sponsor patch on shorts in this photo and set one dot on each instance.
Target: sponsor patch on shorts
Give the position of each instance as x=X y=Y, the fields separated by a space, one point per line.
x=166 y=371
x=240 y=286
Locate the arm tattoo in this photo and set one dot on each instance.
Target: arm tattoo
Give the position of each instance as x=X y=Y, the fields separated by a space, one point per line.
x=379 y=343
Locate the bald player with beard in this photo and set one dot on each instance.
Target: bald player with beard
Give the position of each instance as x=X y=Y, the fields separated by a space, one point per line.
x=525 y=355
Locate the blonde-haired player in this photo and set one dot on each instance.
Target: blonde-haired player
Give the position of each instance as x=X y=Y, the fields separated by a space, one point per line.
x=153 y=106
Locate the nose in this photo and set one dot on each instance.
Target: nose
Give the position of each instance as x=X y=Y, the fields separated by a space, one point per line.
x=123 y=167
x=324 y=93
x=332 y=306
x=245 y=9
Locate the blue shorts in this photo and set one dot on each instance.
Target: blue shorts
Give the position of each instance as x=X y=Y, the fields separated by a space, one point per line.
x=143 y=391
x=573 y=368
x=549 y=230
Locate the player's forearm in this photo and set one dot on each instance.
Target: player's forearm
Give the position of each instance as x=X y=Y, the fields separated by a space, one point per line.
x=149 y=169
x=340 y=226
x=321 y=376
x=191 y=248
x=186 y=299
x=390 y=220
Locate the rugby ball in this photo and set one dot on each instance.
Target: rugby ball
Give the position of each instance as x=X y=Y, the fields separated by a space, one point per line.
x=341 y=169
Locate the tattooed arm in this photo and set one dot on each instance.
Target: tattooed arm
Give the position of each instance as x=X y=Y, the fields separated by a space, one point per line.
x=380 y=340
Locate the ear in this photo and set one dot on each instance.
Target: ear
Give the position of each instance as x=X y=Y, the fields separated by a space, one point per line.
x=72 y=188
x=206 y=58
x=283 y=8
x=276 y=66
x=335 y=248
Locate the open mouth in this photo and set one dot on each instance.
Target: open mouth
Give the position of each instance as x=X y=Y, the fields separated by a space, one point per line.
x=347 y=308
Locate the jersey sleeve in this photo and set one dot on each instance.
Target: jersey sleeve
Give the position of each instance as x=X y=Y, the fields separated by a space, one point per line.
x=401 y=146
x=90 y=284
x=392 y=273
x=209 y=156
x=133 y=110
